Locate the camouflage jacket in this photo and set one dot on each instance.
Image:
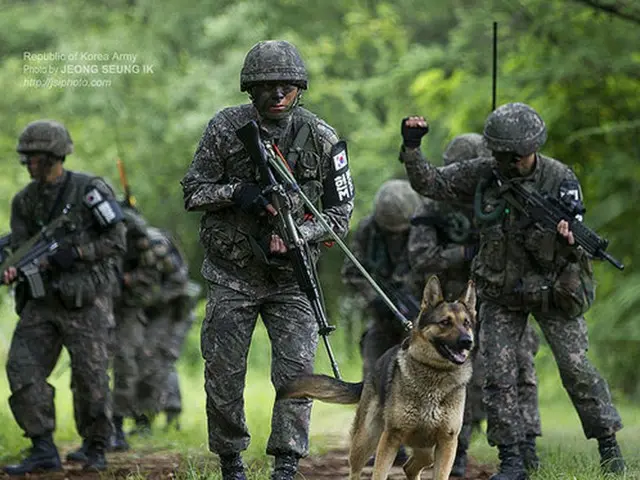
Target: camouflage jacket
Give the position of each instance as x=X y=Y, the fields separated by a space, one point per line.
x=141 y=288
x=96 y=269
x=170 y=264
x=436 y=243
x=518 y=262
x=221 y=164
x=383 y=255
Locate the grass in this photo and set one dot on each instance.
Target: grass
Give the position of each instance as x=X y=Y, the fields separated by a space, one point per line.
x=565 y=453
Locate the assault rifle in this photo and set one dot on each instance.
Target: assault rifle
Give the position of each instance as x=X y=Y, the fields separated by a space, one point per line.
x=407 y=304
x=547 y=211
x=26 y=259
x=298 y=249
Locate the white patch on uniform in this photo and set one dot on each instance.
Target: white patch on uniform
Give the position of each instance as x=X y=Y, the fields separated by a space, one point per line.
x=572 y=193
x=340 y=160
x=344 y=186
x=92 y=197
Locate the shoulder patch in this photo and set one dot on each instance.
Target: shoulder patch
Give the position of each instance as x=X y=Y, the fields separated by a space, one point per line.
x=570 y=188
x=338 y=187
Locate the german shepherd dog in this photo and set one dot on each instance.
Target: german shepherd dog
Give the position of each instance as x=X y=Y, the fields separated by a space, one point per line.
x=415 y=395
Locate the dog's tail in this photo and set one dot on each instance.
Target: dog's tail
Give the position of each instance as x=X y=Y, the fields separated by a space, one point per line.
x=323 y=388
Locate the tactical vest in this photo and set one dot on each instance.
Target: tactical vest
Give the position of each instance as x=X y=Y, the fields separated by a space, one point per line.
x=226 y=233
x=512 y=248
x=79 y=286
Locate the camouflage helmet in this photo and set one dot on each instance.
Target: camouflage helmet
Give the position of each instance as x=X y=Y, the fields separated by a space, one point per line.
x=45 y=136
x=394 y=205
x=273 y=61
x=515 y=127
x=465 y=147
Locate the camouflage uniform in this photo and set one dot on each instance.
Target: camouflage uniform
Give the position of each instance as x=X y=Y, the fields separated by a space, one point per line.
x=380 y=245
x=140 y=290
x=522 y=269
x=439 y=234
x=242 y=282
x=169 y=321
x=76 y=311
x=183 y=316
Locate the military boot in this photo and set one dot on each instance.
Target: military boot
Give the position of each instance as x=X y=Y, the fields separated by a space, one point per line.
x=96 y=461
x=285 y=467
x=529 y=454
x=611 y=460
x=79 y=455
x=119 y=440
x=232 y=467
x=43 y=457
x=459 y=463
x=173 y=419
x=143 y=426
x=511 y=464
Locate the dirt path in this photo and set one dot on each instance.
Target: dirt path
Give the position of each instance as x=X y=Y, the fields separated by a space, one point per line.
x=158 y=465
x=334 y=465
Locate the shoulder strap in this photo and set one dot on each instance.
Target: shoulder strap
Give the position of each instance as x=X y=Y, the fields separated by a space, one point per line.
x=59 y=197
x=298 y=143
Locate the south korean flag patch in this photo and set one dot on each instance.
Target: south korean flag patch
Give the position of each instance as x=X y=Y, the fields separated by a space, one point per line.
x=340 y=159
x=338 y=186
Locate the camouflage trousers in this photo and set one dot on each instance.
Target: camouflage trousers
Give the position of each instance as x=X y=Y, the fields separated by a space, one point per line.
x=501 y=335
x=129 y=341
x=154 y=361
x=161 y=365
x=45 y=326
x=227 y=329
x=527 y=388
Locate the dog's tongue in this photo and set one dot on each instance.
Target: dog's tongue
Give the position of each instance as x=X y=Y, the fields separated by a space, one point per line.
x=461 y=356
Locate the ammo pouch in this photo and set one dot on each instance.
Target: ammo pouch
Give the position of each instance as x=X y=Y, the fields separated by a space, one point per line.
x=76 y=289
x=574 y=289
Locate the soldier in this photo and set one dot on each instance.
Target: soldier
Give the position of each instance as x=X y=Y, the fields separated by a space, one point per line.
x=443 y=240
x=245 y=266
x=380 y=245
x=140 y=288
x=169 y=322
x=521 y=269
x=76 y=310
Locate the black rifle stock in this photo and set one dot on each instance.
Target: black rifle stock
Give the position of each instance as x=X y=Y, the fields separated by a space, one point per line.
x=26 y=259
x=547 y=211
x=298 y=250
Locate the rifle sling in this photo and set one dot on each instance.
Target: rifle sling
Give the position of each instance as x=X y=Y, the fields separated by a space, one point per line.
x=59 y=197
x=298 y=143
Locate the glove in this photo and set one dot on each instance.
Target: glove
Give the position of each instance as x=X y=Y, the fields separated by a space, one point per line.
x=411 y=136
x=249 y=198
x=63 y=258
x=470 y=251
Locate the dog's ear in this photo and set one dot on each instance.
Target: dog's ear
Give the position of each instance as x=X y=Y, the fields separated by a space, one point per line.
x=468 y=297
x=432 y=294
